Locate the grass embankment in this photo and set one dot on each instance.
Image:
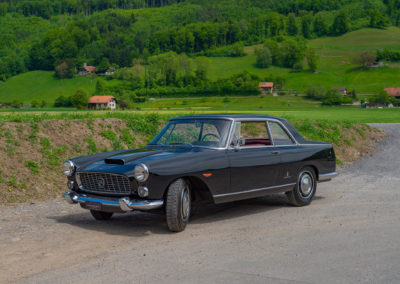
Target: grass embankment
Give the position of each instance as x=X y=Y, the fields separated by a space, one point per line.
x=33 y=147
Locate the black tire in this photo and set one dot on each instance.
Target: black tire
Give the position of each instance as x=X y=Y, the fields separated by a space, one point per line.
x=178 y=205
x=101 y=215
x=301 y=195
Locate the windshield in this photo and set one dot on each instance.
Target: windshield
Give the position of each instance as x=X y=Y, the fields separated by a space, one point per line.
x=195 y=132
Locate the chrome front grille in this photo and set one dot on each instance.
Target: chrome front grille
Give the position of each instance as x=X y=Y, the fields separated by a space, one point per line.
x=104 y=183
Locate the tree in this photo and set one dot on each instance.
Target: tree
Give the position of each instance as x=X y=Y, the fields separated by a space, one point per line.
x=202 y=67
x=377 y=19
x=291 y=28
x=366 y=59
x=320 y=25
x=332 y=97
x=291 y=53
x=65 y=69
x=3 y=9
x=62 y=101
x=264 y=59
x=35 y=103
x=80 y=99
x=306 y=25
x=100 y=88
x=312 y=59
x=340 y=24
x=104 y=65
x=274 y=49
x=315 y=92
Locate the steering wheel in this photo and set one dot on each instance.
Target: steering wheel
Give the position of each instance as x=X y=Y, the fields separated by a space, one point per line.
x=210 y=134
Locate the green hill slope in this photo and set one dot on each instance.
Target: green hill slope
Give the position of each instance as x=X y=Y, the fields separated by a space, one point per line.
x=42 y=85
x=336 y=68
x=336 y=65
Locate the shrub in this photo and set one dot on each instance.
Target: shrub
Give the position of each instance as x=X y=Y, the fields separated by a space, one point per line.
x=315 y=92
x=264 y=59
x=80 y=99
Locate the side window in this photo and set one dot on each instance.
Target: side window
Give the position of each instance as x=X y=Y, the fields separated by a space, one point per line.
x=279 y=135
x=255 y=133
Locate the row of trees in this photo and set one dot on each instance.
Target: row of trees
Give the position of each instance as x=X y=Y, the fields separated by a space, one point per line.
x=47 y=8
x=288 y=53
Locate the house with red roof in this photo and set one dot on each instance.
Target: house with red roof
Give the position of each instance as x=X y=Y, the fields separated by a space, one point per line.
x=102 y=102
x=393 y=92
x=86 y=70
x=266 y=87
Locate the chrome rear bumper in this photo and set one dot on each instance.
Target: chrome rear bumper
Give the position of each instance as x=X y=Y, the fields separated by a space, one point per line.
x=327 y=176
x=124 y=204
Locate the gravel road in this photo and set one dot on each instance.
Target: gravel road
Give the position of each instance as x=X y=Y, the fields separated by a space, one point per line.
x=350 y=233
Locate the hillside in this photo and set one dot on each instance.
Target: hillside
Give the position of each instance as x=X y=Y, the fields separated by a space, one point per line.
x=335 y=66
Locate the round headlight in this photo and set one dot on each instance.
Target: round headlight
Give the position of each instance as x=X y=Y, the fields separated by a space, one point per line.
x=141 y=172
x=69 y=168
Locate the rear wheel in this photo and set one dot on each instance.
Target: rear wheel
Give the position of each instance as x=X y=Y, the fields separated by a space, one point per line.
x=101 y=215
x=178 y=205
x=305 y=188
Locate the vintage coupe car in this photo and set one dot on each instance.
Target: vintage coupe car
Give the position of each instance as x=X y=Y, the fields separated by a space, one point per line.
x=220 y=158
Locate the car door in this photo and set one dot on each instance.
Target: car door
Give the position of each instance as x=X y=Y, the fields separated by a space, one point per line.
x=290 y=156
x=253 y=165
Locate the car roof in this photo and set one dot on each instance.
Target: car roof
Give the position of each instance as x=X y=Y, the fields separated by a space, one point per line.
x=228 y=116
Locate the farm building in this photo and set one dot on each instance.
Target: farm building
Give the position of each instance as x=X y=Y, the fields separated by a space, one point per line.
x=86 y=70
x=102 y=102
x=266 y=87
x=343 y=90
x=393 y=92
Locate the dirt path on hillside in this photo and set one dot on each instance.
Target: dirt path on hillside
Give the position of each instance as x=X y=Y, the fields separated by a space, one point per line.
x=350 y=233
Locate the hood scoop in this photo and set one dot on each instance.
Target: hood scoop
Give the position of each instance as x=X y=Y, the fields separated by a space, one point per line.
x=126 y=158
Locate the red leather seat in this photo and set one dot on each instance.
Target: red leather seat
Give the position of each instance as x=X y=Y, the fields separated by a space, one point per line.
x=257 y=142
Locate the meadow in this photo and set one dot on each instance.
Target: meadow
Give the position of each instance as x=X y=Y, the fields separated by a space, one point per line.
x=336 y=67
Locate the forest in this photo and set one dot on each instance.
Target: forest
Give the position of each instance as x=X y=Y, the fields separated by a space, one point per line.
x=154 y=42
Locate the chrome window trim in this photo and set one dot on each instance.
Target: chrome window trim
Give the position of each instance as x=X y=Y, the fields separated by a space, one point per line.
x=266 y=120
x=254 y=190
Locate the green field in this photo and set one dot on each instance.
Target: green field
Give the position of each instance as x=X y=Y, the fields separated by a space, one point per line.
x=336 y=68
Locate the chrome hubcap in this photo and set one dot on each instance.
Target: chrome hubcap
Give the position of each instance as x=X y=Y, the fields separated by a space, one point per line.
x=306 y=184
x=185 y=203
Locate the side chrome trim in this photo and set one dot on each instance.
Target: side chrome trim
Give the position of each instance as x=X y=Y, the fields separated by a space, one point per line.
x=124 y=204
x=254 y=190
x=327 y=176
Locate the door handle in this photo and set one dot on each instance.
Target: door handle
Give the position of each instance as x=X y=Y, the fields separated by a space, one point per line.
x=276 y=152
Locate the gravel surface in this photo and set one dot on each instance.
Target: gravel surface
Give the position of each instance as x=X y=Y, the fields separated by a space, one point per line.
x=350 y=233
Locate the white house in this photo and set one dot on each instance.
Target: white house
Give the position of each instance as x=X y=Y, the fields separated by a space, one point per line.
x=102 y=102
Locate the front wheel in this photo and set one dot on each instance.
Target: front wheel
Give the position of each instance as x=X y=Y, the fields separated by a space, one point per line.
x=178 y=205
x=101 y=215
x=305 y=188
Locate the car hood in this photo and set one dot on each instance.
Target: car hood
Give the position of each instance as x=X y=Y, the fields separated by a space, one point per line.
x=123 y=162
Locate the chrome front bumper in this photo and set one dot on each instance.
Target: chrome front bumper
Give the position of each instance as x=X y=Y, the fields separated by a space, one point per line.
x=124 y=204
x=327 y=176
